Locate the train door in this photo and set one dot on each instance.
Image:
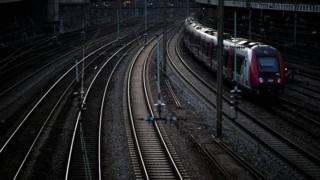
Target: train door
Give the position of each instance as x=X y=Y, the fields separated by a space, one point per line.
x=240 y=68
x=202 y=49
x=205 y=52
x=245 y=72
x=214 y=56
x=209 y=50
x=227 y=64
x=198 y=46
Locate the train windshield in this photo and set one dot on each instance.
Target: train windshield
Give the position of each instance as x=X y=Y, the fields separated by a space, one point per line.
x=268 y=64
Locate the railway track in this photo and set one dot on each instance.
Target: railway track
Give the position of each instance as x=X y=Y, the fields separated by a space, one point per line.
x=84 y=160
x=153 y=159
x=300 y=110
x=92 y=44
x=31 y=62
x=305 y=91
x=19 y=142
x=288 y=151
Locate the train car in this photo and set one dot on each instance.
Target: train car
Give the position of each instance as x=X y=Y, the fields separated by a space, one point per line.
x=259 y=68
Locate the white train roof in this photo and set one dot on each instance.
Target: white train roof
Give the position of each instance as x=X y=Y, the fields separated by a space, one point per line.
x=228 y=40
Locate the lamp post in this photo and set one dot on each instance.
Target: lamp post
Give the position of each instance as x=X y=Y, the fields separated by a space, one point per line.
x=235 y=47
x=164 y=56
x=83 y=37
x=219 y=71
x=118 y=24
x=145 y=22
x=187 y=8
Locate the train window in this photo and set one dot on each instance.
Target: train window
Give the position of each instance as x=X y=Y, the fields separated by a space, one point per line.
x=268 y=64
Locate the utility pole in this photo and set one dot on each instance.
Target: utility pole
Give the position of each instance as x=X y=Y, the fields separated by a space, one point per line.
x=145 y=22
x=187 y=8
x=235 y=97
x=118 y=24
x=120 y=6
x=145 y=16
x=135 y=8
x=235 y=46
x=219 y=72
x=83 y=37
x=164 y=56
x=158 y=72
x=77 y=69
x=250 y=15
x=295 y=28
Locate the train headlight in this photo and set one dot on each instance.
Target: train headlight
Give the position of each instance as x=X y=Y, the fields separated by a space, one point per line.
x=260 y=80
x=278 y=80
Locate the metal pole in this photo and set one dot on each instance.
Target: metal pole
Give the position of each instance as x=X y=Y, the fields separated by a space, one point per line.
x=187 y=8
x=135 y=8
x=295 y=28
x=118 y=24
x=158 y=70
x=82 y=74
x=235 y=46
x=120 y=4
x=219 y=71
x=77 y=70
x=250 y=33
x=145 y=22
x=164 y=61
x=145 y=16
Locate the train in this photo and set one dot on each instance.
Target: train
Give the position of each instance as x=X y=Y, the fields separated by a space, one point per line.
x=258 y=68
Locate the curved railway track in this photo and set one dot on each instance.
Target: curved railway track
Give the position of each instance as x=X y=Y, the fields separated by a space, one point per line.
x=89 y=46
x=69 y=44
x=20 y=141
x=154 y=160
x=295 y=155
x=84 y=160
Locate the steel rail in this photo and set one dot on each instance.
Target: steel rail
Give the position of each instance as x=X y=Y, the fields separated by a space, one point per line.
x=141 y=161
x=285 y=140
x=305 y=93
x=44 y=124
x=173 y=164
x=42 y=128
x=46 y=93
x=212 y=159
x=4 y=92
x=84 y=100
x=101 y=112
x=239 y=159
x=253 y=117
x=176 y=100
x=212 y=104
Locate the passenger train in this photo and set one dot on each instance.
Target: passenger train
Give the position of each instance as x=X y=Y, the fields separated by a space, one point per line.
x=259 y=67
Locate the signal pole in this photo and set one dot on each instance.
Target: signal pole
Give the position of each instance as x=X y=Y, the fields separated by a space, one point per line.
x=145 y=22
x=219 y=71
x=118 y=24
x=250 y=14
x=235 y=46
x=187 y=8
x=164 y=55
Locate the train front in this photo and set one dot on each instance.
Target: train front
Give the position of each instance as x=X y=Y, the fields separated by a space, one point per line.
x=267 y=71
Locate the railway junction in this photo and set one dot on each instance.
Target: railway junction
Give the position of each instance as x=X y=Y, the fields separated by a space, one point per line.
x=182 y=89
